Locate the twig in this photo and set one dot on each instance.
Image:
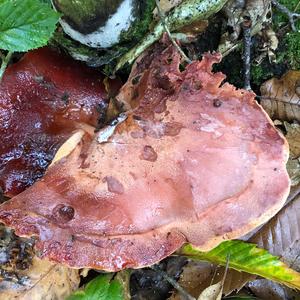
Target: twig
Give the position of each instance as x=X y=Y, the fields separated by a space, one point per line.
x=246 y=25
x=162 y=19
x=291 y=15
x=173 y=283
x=5 y=61
x=297 y=6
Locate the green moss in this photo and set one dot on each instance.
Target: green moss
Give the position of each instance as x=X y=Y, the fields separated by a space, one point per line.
x=86 y=15
x=280 y=18
x=291 y=51
x=141 y=25
x=289 y=48
x=288 y=52
x=260 y=74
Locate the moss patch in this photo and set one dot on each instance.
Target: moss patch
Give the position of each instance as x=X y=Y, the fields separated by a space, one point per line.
x=290 y=42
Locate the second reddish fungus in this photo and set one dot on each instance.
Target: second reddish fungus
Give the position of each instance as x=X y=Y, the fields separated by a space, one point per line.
x=43 y=99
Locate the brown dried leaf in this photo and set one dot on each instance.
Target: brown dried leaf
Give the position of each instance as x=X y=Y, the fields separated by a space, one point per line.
x=293 y=164
x=197 y=276
x=293 y=168
x=45 y=281
x=166 y=6
x=281 y=97
x=265 y=290
x=293 y=138
x=188 y=32
x=281 y=234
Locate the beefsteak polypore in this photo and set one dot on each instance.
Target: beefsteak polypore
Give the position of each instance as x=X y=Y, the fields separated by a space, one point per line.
x=192 y=160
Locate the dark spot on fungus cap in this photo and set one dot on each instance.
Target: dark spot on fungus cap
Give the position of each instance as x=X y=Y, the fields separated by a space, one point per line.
x=114 y=185
x=172 y=128
x=148 y=153
x=217 y=103
x=63 y=213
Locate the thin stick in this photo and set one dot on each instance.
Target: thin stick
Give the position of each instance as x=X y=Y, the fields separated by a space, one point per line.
x=291 y=15
x=5 y=61
x=173 y=282
x=246 y=25
x=297 y=6
x=162 y=19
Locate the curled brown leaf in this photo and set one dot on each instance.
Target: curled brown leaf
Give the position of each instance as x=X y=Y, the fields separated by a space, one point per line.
x=281 y=97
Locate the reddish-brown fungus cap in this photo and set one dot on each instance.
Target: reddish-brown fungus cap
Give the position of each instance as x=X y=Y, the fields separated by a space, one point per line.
x=43 y=98
x=195 y=161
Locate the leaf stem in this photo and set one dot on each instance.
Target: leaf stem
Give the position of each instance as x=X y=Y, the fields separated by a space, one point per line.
x=5 y=61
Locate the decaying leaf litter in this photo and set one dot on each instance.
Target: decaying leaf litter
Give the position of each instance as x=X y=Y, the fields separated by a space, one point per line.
x=281 y=98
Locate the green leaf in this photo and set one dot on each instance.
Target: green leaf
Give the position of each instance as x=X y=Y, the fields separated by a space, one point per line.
x=248 y=258
x=25 y=24
x=100 y=288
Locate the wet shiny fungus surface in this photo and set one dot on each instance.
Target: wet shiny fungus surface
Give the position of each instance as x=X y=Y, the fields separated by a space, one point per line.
x=43 y=99
x=193 y=162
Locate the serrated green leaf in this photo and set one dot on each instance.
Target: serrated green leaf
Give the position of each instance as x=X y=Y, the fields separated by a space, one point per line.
x=100 y=288
x=248 y=258
x=25 y=24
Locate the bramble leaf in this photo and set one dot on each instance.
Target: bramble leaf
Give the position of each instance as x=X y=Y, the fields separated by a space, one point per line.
x=25 y=24
x=102 y=287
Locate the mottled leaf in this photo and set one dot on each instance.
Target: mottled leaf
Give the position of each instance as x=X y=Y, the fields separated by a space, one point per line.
x=248 y=258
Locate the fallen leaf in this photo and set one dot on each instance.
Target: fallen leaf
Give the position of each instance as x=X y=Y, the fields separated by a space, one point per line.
x=198 y=275
x=213 y=292
x=293 y=138
x=281 y=97
x=248 y=258
x=25 y=276
x=281 y=235
x=269 y=290
x=44 y=280
x=166 y=6
x=293 y=168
